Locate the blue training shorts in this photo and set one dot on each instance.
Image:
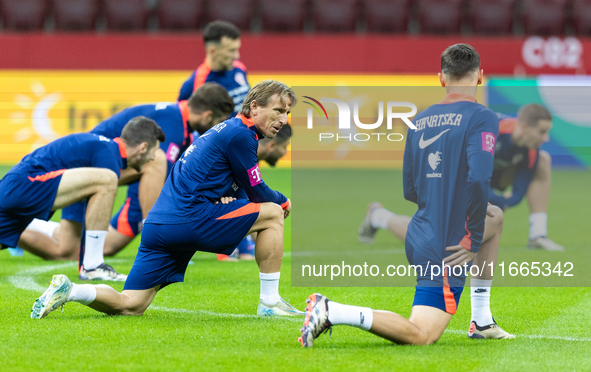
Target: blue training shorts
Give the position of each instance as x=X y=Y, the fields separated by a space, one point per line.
x=443 y=291
x=165 y=250
x=24 y=197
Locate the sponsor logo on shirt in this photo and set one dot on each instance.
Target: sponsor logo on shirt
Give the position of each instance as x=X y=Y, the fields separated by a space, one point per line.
x=488 y=142
x=255 y=175
x=173 y=152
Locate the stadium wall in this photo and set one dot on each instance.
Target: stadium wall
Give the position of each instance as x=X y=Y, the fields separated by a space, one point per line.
x=350 y=53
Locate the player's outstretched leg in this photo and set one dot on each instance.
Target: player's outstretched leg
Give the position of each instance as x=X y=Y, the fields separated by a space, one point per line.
x=538 y=194
x=99 y=297
x=377 y=217
x=425 y=325
x=269 y=254
x=482 y=323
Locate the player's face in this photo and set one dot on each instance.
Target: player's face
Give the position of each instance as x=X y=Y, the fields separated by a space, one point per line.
x=278 y=151
x=270 y=119
x=226 y=52
x=538 y=134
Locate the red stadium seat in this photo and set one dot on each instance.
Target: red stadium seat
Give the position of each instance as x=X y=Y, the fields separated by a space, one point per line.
x=180 y=14
x=387 y=15
x=582 y=16
x=544 y=17
x=440 y=16
x=492 y=16
x=126 y=15
x=239 y=12
x=75 y=14
x=23 y=14
x=335 y=15
x=283 y=15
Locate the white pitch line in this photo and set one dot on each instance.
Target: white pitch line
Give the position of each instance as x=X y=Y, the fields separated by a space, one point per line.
x=24 y=279
x=222 y=315
x=533 y=337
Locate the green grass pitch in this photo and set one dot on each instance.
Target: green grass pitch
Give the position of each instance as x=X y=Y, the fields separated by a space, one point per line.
x=209 y=323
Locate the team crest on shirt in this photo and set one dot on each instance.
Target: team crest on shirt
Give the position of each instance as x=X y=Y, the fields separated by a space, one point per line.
x=240 y=79
x=434 y=160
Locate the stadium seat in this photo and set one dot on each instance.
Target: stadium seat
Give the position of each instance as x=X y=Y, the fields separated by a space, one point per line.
x=543 y=17
x=491 y=16
x=386 y=15
x=283 y=15
x=180 y=14
x=126 y=15
x=582 y=16
x=239 y=12
x=440 y=16
x=23 y=14
x=75 y=14
x=335 y=15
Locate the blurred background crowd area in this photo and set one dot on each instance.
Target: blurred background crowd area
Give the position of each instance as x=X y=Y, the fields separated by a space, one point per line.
x=466 y=17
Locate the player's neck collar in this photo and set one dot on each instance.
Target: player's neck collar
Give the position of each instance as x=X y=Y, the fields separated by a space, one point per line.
x=250 y=124
x=457 y=97
x=122 y=148
x=184 y=108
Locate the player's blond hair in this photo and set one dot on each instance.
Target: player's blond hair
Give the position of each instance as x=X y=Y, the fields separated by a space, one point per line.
x=262 y=93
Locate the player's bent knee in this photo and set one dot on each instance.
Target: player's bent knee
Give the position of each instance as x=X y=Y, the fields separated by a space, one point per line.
x=272 y=211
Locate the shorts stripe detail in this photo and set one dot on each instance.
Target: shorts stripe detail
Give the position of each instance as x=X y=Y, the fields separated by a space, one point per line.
x=466 y=241
x=123 y=221
x=249 y=208
x=450 y=301
x=47 y=176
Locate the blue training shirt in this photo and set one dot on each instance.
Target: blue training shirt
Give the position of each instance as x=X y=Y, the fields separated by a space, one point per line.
x=171 y=117
x=448 y=163
x=514 y=166
x=219 y=163
x=74 y=151
x=234 y=81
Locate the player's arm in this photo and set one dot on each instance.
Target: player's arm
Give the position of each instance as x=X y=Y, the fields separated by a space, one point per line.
x=480 y=154
x=519 y=189
x=128 y=175
x=410 y=193
x=242 y=154
x=187 y=88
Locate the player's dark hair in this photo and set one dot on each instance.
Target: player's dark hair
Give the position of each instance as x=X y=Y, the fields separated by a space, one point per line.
x=459 y=60
x=142 y=129
x=283 y=135
x=262 y=93
x=216 y=30
x=211 y=96
x=532 y=113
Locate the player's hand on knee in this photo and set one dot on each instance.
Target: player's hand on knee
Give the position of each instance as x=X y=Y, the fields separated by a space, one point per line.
x=287 y=210
x=226 y=200
x=460 y=256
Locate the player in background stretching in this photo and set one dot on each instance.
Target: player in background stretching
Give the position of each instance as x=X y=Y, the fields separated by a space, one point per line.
x=196 y=211
x=519 y=163
x=221 y=65
x=448 y=163
x=70 y=169
x=209 y=105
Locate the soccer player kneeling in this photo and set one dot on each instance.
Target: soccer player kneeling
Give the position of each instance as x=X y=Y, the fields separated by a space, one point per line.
x=447 y=171
x=204 y=207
